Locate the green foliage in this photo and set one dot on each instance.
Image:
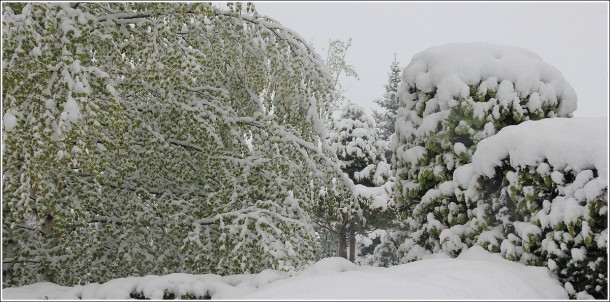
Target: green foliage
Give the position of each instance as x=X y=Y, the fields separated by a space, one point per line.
x=154 y=138
x=356 y=145
x=528 y=197
x=460 y=125
x=337 y=66
x=335 y=61
x=385 y=254
x=389 y=102
x=509 y=213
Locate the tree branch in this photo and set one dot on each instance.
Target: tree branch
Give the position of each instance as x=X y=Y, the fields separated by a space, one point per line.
x=184 y=145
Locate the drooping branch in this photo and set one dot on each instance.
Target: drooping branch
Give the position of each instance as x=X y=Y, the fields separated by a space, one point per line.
x=272 y=25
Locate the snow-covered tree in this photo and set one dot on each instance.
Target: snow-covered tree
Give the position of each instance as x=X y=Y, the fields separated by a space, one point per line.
x=534 y=192
x=357 y=146
x=150 y=138
x=538 y=194
x=334 y=197
x=365 y=246
x=452 y=97
x=360 y=155
x=389 y=102
x=385 y=254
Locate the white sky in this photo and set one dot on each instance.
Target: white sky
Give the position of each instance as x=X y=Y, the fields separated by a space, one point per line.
x=572 y=36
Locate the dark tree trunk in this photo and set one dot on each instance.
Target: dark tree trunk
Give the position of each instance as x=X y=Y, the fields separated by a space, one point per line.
x=352 y=242
x=342 y=242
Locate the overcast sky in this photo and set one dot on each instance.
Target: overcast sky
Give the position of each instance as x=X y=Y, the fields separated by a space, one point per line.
x=572 y=36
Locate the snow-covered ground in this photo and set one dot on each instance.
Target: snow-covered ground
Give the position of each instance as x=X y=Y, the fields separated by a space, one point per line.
x=475 y=274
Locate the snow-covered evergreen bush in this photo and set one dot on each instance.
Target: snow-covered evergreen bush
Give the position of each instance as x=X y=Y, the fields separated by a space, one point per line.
x=357 y=146
x=536 y=192
x=150 y=138
x=452 y=97
x=385 y=254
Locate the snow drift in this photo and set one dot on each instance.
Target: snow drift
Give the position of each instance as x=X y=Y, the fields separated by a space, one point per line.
x=476 y=274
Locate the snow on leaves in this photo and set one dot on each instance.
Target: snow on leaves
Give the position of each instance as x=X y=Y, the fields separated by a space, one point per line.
x=147 y=138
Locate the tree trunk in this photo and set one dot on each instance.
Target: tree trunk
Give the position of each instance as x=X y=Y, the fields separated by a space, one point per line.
x=342 y=242
x=352 y=242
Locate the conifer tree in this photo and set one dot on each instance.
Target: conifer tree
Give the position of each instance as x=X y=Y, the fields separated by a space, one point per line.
x=386 y=119
x=450 y=102
x=361 y=157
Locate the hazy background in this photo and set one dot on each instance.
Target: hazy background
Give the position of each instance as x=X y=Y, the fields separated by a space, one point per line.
x=572 y=36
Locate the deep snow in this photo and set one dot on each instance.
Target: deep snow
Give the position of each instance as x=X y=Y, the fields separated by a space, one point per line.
x=475 y=274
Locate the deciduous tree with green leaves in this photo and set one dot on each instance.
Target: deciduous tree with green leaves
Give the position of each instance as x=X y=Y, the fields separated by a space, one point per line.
x=151 y=138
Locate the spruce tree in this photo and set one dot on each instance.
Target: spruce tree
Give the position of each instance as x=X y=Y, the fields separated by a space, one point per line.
x=386 y=119
x=385 y=253
x=361 y=157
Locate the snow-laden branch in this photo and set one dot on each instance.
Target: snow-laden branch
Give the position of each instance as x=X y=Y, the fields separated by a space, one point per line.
x=252 y=212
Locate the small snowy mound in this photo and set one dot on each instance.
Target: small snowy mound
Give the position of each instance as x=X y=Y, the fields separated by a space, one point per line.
x=452 y=68
x=476 y=274
x=328 y=266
